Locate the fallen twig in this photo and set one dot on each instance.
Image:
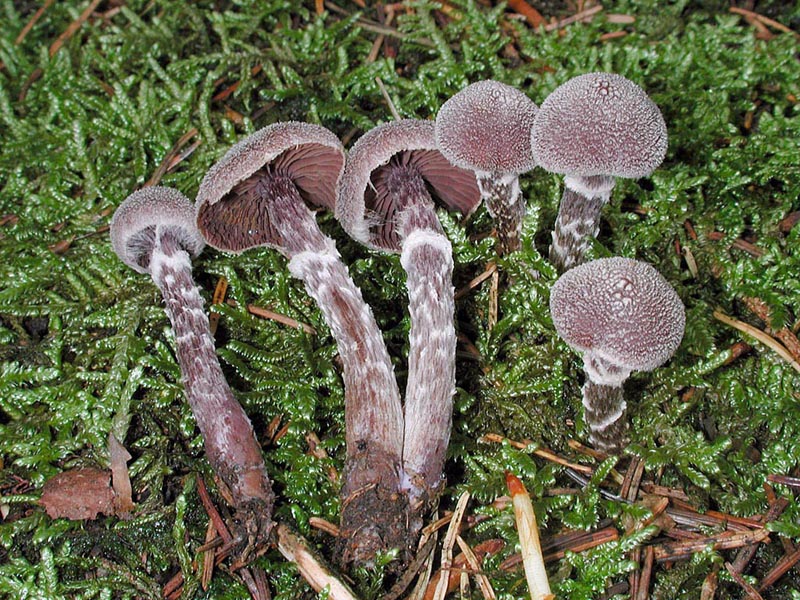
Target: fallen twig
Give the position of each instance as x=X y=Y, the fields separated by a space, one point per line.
x=762 y=337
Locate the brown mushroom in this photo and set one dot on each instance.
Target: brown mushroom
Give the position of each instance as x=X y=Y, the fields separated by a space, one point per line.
x=386 y=201
x=486 y=128
x=623 y=316
x=593 y=128
x=261 y=194
x=153 y=231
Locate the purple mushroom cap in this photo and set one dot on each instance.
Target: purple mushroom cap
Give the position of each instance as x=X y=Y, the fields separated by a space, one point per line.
x=307 y=156
x=619 y=309
x=486 y=127
x=365 y=207
x=133 y=226
x=599 y=124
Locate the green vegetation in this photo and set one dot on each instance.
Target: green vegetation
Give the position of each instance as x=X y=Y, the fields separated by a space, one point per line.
x=85 y=348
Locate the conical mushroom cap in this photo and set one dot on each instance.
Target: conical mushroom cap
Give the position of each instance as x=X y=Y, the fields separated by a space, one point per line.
x=363 y=204
x=134 y=224
x=619 y=309
x=486 y=127
x=311 y=156
x=599 y=124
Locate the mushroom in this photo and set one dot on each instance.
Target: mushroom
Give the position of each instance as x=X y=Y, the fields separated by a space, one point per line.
x=593 y=128
x=261 y=194
x=623 y=316
x=485 y=128
x=385 y=201
x=153 y=231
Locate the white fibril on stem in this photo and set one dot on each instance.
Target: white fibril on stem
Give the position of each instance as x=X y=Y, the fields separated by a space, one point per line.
x=591 y=129
x=261 y=194
x=623 y=316
x=386 y=201
x=154 y=232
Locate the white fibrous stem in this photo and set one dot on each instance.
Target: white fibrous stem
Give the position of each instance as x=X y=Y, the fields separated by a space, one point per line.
x=427 y=258
x=501 y=193
x=604 y=403
x=371 y=518
x=230 y=443
x=578 y=219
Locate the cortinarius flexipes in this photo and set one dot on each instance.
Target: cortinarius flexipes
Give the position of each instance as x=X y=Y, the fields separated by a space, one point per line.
x=623 y=316
x=593 y=128
x=384 y=202
x=153 y=231
x=259 y=194
x=486 y=128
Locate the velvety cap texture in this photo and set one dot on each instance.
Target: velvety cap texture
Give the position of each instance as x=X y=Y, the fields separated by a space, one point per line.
x=599 y=124
x=620 y=309
x=134 y=223
x=310 y=154
x=411 y=144
x=486 y=127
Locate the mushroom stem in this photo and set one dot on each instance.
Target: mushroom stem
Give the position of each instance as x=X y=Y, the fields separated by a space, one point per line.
x=506 y=206
x=427 y=258
x=578 y=219
x=230 y=443
x=373 y=414
x=604 y=403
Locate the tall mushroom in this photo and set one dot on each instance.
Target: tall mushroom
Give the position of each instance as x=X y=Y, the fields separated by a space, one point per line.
x=153 y=231
x=485 y=128
x=260 y=194
x=386 y=202
x=593 y=128
x=623 y=316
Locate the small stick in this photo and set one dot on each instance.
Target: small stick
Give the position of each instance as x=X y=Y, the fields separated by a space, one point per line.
x=392 y=109
x=73 y=27
x=167 y=162
x=751 y=592
x=709 y=587
x=532 y=16
x=793 y=482
x=475 y=282
x=647 y=572
x=493 y=299
x=541 y=453
x=780 y=569
x=273 y=316
x=474 y=564
x=531 y=549
x=295 y=549
x=762 y=337
x=323 y=525
x=218 y=298
x=208 y=557
x=762 y=19
x=447 y=546
x=584 y=14
x=33 y=20
x=723 y=541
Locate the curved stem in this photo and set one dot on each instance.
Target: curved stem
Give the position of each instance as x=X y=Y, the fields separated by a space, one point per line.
x=506 y=205
x=230 y=443
x=373 y=510
x=578 y=219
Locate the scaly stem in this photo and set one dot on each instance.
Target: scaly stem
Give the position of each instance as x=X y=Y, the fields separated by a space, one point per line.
x=578 y=219
x=604 y=404
x=373 y=510
x=427 y=258
x=230 y=443
x=506 y=205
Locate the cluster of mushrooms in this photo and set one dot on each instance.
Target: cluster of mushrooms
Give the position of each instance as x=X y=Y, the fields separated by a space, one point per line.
x=621 y=314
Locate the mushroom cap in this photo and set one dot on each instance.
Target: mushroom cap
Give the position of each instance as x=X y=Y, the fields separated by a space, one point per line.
x=619 y=309
x=363 y=206
x=599 y=124
x=486 y=127
x=311 y=156
x=134 y=224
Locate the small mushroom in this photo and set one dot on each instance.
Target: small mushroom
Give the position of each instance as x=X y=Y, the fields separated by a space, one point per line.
x=623 y=316
x=261 y=194
x=386 y=201
x=486 y=128
x=593 y=128
x=153 y=231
